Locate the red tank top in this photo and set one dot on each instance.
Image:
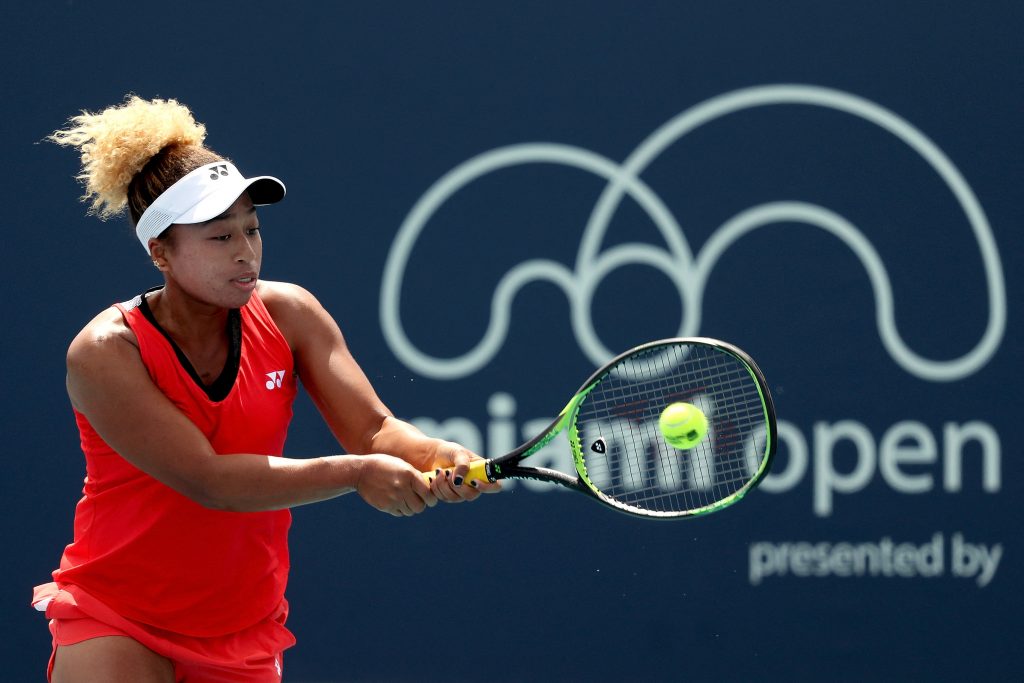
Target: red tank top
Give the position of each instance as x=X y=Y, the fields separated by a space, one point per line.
x=157 y=557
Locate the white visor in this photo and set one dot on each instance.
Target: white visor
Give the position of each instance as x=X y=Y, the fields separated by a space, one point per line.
x=205 y=193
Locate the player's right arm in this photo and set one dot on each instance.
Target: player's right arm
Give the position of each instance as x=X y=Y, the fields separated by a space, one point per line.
x=109 y=384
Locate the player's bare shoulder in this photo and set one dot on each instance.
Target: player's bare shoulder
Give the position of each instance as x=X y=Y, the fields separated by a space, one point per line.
x=294 y=309
x=107 y=336
x=108 y=330
x=106 y=348
x=283 y=295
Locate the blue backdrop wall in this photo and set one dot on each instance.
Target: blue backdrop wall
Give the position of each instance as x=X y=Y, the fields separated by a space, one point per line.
x=832 y=186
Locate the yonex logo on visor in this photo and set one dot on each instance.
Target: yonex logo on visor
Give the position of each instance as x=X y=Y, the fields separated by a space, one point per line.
x=203 y=194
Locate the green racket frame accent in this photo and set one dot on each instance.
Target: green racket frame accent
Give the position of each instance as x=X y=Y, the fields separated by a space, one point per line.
x=561 y=422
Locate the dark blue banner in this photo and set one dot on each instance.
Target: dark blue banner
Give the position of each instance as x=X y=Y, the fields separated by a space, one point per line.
x=492 y=200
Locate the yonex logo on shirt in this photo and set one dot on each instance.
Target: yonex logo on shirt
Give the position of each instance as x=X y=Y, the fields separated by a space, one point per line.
x=275 y=380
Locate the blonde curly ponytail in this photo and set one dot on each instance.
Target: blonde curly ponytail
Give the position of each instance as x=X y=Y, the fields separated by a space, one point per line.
x=134 y=151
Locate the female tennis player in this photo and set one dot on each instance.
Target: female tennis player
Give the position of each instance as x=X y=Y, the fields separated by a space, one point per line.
x=183 y=396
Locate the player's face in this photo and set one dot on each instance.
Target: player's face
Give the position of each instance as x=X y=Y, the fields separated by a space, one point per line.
x=218 y=262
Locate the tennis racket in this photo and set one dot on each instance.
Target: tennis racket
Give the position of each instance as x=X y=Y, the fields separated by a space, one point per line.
x=622 y=459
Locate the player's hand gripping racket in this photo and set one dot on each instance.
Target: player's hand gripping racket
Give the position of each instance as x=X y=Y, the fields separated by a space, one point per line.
x=624 y=460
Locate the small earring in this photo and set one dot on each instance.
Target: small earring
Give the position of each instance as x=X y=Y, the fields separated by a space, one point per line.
x=156 y=263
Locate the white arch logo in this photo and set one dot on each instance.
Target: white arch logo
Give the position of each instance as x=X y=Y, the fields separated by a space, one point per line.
x=689 y=272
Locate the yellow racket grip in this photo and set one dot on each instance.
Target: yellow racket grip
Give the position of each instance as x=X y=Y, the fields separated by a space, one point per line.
x=477 y=470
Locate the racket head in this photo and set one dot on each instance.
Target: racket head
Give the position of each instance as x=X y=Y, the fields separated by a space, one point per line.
x=621 y=456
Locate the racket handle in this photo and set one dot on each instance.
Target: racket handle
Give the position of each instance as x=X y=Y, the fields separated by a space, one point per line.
x=477 y=470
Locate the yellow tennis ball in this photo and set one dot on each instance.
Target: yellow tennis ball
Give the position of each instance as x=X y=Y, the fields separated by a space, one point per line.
x=683 y=425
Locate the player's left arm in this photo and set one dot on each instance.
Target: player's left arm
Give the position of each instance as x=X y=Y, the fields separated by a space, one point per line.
x=348 y=402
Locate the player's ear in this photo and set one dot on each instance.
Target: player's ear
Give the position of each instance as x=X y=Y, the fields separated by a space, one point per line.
x=158 y=254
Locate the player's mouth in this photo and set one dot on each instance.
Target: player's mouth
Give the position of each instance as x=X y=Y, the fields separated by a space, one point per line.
x=246 y=282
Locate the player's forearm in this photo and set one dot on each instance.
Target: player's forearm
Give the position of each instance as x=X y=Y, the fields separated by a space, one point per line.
x=254 y=483
x=403 y=440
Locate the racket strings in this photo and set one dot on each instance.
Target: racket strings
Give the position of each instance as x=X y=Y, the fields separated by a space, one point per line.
x=627 y=458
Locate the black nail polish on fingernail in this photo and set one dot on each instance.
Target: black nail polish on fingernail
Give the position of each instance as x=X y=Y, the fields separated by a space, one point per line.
x=447 y=474
x=458 y=481
x=473 y=483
